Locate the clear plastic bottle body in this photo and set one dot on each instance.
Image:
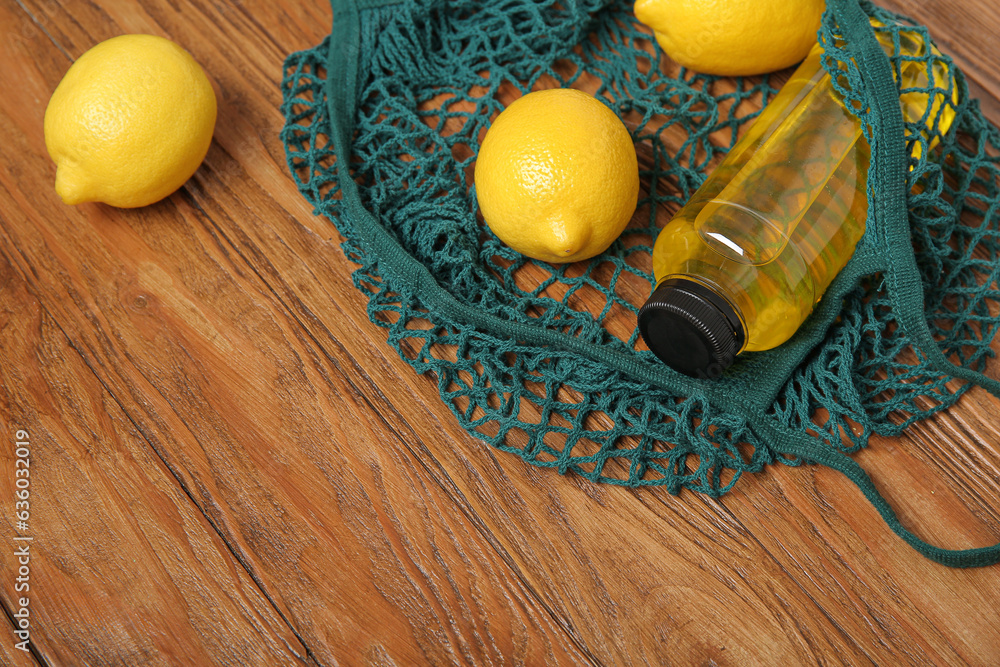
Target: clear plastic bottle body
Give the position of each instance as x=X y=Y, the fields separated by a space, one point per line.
x=741 y=234
x=778 y=219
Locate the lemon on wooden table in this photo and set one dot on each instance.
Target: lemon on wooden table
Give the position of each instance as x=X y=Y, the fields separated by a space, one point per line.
x=733 y=37
x=557 y=177
x=130 y=122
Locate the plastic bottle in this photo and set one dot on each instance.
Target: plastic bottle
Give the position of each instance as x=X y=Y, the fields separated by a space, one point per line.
x=745 y=261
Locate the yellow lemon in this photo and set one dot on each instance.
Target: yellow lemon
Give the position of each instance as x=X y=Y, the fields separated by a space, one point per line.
x=733 y=37
x=557 y=177
x=129 y=123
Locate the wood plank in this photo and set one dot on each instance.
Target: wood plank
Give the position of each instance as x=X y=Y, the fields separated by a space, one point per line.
x=122 y=565
x=353 y=543
x=9 y=654
x=626 y=574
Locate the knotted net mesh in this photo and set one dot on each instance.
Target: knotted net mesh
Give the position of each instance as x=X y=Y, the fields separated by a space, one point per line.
x=432 y=77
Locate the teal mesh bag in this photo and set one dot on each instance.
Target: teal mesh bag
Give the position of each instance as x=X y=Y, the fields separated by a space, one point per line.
x=383 y=123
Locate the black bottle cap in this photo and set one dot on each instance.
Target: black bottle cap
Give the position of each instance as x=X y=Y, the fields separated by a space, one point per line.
x=691 y=328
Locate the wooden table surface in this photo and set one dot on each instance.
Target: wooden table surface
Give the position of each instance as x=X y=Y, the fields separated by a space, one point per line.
x=230 y=466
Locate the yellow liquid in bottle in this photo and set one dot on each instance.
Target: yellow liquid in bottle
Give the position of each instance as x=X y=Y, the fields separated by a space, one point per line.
x=781 y=215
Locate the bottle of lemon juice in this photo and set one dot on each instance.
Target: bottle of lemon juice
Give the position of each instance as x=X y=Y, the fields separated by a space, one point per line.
x=744 y=262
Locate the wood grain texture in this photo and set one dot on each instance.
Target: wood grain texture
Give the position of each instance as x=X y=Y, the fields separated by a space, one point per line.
x=123 y=567
x=13 y=656
x=357 y=548
x=205 y=368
